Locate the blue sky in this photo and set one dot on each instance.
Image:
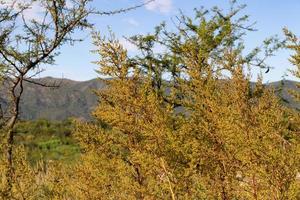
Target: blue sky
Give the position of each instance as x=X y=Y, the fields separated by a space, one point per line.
x=270 y=17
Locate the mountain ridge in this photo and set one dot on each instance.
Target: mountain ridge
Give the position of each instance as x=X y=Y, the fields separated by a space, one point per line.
x=77 y=99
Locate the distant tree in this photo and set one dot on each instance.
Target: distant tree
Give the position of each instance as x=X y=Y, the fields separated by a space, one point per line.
x=187 y=123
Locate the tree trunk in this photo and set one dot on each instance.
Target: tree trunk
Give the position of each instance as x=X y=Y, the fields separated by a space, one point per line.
x=16 y=93
x=8 y=151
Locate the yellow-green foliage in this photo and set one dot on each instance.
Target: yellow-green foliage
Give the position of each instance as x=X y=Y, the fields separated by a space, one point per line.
x=25 y=183
x=184 y=124
x=187 y=124
x=293 y=44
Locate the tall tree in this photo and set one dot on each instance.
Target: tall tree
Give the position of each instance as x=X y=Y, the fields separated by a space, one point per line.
x=28 y=43
x=187 y=123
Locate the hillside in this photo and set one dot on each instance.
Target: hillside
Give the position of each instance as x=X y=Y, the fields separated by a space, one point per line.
x=71 y=99
x=282 y=89
x=77 y=99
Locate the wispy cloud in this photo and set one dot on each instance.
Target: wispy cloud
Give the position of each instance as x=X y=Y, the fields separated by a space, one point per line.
x=132 y=22
x=163 y=6
x=34 y=10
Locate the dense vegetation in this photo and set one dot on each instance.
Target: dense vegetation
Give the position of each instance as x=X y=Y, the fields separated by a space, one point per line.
x=182 y=124
x=47 y=141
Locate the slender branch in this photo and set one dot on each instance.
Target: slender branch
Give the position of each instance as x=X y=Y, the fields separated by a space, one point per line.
x=121 y=10
x=168 y=179
x=54 y=85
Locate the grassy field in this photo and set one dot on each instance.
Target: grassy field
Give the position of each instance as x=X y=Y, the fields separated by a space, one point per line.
x=45 y=140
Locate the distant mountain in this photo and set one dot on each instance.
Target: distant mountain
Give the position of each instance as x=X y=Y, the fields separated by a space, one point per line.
x=71 y=99
x=77 y=99
x=283 y=88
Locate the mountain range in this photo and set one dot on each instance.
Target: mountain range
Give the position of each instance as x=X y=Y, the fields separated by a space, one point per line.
x=70 y=99
x=77 y=99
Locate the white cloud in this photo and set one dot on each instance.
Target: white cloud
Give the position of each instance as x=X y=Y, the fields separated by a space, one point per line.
x=35 y=9
x=33 y=12
x=132 y=22
x=163 y=6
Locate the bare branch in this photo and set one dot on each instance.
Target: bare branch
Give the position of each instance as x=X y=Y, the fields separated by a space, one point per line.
x=121 y=10
x=47 y=85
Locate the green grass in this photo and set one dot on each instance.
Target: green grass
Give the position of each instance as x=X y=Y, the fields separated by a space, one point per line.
x=44 y=140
